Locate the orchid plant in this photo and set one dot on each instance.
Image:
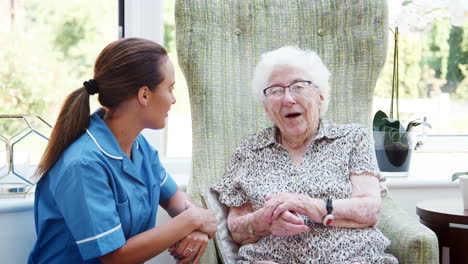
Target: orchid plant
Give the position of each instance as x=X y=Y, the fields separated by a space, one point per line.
x=383 y=123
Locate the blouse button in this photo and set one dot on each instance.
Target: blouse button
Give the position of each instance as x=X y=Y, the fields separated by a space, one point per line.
x=321 y=32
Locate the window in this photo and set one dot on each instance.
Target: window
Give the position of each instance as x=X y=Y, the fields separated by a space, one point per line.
x=433 y=70
x=179 y=126
x=433 y=63
x=48 y=50
x=155 y=20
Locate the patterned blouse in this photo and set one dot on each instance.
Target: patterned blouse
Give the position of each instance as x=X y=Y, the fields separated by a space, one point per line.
x=260 y=166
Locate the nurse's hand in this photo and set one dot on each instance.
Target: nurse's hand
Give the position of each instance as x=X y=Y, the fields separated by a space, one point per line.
x=205 y=218
x=190 y=248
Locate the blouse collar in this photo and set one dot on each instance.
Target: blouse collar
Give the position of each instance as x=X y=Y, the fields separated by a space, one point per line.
x=327 y=129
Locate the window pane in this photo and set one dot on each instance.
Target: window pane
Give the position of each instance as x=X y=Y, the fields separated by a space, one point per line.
x=179 y=125
x=433 y=63
x=48 y=50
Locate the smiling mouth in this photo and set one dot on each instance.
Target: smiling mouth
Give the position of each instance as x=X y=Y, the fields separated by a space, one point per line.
x=292 y=115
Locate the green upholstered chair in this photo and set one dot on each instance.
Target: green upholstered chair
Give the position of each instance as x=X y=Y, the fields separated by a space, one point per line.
x=220 y=41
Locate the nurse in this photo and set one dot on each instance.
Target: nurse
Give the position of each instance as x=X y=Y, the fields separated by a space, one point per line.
x=101 y=182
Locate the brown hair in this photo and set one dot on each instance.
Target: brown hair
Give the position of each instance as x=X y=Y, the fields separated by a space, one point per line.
x=119 y=71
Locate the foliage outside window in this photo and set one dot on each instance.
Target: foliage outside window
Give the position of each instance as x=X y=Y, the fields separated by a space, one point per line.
x=48 y=50
x=433 y=64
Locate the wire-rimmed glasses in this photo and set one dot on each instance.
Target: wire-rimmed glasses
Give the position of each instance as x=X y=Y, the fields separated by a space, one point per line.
x=295 y=88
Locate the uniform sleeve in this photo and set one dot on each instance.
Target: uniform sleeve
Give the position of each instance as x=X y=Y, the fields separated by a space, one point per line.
x=362 y=158
x=87 y=203
x=229 y=188
x=168 y=186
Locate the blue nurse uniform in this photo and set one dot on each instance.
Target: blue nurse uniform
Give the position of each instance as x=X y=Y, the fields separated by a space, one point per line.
x=95 y=197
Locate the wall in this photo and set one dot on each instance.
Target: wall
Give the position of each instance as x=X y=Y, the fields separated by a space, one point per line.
x=408 y=194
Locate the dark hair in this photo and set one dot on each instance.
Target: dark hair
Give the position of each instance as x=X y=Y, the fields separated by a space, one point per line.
x=119 y=71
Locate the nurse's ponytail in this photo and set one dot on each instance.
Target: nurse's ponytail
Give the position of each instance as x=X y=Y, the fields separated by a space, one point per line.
x=120 y=70
x=71 y=123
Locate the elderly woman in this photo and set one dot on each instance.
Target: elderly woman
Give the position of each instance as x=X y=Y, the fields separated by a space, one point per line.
x=305 y=190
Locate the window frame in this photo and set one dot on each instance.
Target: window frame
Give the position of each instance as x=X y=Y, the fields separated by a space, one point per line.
x=141 y=19
x=145 y=19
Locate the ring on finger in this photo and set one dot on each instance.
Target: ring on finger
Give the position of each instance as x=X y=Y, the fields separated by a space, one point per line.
x=190 y=249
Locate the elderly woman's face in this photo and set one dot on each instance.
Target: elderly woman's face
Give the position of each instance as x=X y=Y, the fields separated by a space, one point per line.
x=296 y=113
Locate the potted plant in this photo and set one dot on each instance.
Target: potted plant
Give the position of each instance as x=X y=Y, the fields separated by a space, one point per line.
x=394 y=143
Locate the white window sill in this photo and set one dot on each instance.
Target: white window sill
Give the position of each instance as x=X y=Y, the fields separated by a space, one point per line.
x=431 y=170
x=409 y=183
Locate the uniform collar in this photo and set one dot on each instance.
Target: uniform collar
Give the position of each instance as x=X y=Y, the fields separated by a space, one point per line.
x=105 y=140
x=327 y=130
x=103 y=137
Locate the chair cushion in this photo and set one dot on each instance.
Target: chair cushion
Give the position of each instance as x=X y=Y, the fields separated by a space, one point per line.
x=412 y=242
x=227 y=248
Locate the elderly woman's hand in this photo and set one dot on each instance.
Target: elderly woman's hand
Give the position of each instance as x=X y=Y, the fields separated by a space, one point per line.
x=276 y=205
x=288 y=224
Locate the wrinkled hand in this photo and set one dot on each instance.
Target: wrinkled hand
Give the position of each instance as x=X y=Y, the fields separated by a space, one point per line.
x=296 y=203
x=282 y=202
x=206 y=217
x=190 y=248
x=288 y=224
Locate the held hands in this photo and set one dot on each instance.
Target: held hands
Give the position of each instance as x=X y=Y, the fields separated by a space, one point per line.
x=276 y=218
x=296 y=203
x=190 y=248
x=288 y=224
x=205 y=218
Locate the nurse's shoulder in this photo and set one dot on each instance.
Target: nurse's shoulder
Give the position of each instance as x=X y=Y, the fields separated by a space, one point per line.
x=81 y=155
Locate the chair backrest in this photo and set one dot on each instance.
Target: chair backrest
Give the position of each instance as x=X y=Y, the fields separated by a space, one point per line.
x=220 y=42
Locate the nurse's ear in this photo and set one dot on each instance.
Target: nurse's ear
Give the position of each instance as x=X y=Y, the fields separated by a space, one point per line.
x=143 y=95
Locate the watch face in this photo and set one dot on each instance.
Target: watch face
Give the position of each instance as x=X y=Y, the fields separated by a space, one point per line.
x=327 y=220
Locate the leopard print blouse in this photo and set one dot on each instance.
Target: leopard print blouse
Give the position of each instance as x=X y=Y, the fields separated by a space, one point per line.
x=260 y=166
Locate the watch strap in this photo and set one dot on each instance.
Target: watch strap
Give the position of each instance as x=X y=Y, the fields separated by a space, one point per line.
x=328 y=219
x=329 y=202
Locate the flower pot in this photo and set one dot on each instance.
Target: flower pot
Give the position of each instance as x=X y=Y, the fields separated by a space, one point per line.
x=393 y=151
x=464 y=190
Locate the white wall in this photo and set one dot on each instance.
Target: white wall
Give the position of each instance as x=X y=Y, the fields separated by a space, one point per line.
x=408 y=196
x=17 y=234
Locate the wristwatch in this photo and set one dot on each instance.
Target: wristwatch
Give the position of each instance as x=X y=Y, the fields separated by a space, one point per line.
x=328 y=219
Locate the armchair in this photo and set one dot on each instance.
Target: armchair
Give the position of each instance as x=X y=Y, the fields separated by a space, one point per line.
x=219 y=43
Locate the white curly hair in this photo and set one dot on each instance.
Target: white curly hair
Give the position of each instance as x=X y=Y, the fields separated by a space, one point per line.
x=306 y=60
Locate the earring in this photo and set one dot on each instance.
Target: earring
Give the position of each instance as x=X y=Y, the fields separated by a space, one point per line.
x=146 y=104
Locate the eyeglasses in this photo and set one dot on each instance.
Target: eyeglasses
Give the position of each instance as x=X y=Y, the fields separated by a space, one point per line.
x=296 y=88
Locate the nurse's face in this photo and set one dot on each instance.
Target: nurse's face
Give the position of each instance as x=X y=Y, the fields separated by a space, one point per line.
x=161 y=98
